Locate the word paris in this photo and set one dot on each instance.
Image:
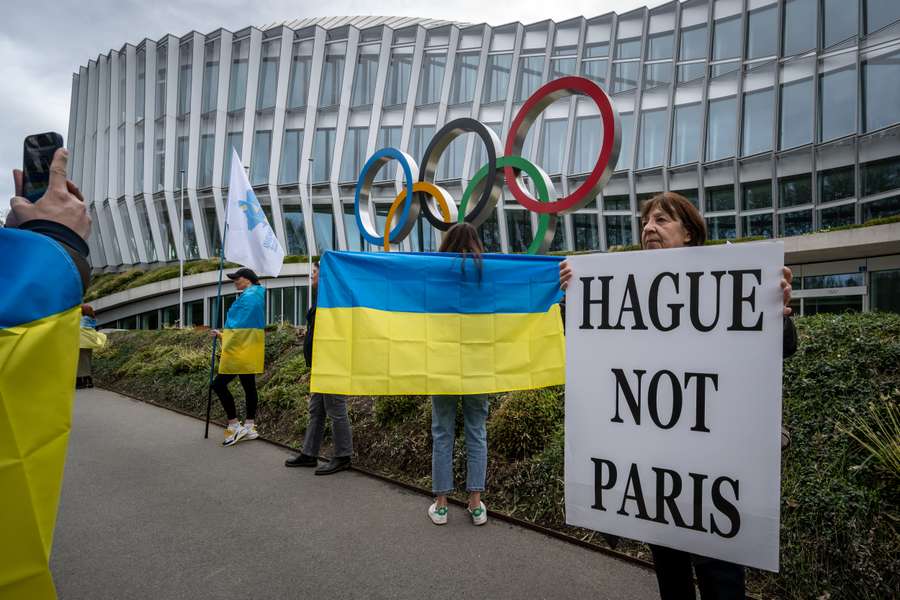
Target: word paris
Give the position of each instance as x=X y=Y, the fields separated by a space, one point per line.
x=673 y=398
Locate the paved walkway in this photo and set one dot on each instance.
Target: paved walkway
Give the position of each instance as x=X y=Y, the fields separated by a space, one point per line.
x=152 y=510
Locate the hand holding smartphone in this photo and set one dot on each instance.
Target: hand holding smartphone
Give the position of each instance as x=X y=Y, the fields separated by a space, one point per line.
x=37 y=156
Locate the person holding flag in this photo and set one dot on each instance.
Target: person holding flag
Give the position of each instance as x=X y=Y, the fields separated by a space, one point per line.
x=249 y=241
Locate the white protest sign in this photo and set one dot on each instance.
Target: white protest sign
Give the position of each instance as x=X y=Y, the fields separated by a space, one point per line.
x=673 y=398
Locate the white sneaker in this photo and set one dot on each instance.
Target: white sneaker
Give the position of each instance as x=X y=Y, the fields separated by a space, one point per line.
x=232 y=434
x=437 y=515
x=478 y=514
x=250 y=432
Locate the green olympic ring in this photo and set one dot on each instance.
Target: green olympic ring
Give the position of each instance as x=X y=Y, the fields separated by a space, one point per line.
x=542 y=185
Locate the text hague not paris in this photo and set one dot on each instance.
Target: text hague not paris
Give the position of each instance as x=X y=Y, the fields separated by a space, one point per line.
x=638 y=393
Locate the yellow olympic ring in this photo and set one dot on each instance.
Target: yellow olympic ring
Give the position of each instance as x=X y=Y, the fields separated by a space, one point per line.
x=443 y=198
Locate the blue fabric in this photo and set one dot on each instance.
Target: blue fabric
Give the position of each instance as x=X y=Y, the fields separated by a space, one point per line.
x=38 y=275
x=88 y=322
x=443 y=428
x=439 y=283
x=249 y=310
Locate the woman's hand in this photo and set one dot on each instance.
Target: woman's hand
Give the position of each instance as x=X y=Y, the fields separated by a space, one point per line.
x=215 y=333
x=565 y=274
x=786 y=278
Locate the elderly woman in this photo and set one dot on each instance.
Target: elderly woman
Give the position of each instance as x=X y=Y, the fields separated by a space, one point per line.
x=669 y=220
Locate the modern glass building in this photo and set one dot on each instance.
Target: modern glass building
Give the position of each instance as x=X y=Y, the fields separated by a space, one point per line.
x=775 y=117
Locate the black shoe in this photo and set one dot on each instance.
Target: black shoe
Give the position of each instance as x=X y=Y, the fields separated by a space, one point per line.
x=90 y=382
x=338 y=463
x=302 y=460
x=79 y=383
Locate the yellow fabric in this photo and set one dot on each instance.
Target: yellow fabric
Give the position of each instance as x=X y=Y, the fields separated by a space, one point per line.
x=243 y=351
x=37 y=381
x=364 y=351
x=91 y=339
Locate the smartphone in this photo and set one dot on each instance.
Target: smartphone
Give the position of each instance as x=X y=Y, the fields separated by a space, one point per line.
x=38 y=155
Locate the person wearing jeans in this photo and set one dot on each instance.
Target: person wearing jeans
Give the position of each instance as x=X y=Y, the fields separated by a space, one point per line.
x=321 y=405
x=462 y=238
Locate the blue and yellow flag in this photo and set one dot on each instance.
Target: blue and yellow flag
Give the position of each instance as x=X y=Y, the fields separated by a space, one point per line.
x=244 y=337
x=396 y=323
x=40 y=309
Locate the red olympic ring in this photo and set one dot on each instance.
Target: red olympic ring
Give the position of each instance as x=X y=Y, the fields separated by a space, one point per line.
x=609 y=149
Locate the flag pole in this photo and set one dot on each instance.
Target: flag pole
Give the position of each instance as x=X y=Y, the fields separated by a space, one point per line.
x=181 y=260
x=215 y=318
x=308 y=248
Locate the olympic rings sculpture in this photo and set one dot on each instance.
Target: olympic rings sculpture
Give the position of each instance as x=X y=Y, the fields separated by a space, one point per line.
x=421 y=196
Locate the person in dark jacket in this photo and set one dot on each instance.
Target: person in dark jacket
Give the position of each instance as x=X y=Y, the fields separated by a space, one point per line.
x=669 y=220
x=320 y=406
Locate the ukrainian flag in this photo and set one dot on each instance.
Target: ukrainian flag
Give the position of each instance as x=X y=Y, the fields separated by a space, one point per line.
x=40 y=311
x=244 y=337
x=398 y=323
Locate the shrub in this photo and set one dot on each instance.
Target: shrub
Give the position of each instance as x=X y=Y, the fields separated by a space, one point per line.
x=394 y=410
x=524 y=420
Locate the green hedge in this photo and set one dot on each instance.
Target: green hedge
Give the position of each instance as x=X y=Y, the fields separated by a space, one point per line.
x=839 y=503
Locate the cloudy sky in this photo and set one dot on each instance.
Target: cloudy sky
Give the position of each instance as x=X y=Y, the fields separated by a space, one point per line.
x=43 y=43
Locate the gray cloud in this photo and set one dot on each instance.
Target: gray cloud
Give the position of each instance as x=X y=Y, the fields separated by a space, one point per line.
x=42 y=44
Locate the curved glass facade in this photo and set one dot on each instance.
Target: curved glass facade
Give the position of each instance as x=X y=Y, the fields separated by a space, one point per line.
x=775 y=117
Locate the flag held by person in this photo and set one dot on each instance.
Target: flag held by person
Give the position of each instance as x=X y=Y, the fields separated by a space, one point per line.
x=250 y=240
x=396 y=323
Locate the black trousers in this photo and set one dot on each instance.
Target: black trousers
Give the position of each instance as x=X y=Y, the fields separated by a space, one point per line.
x=248 y=382
x=717 y=579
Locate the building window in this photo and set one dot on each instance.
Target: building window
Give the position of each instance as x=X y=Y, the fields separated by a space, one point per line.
x=837 y=93
x=553 y=144
x=163 y=214
x=653 y=138
x=691 y=71
x=322 y=153
x=685 y=141
x=140 y=85
x=836 y=184
x=289 y=169
x=323 y=227
x=294 y=229
x=796 y=113
x=758 y=225
x=881 y=89
x=656 y=74
x=432 y=77
x=184 y=79
x=618 y=230
x=161 y=58
x=301 y=60
x=518 y=227
x=727 y=38
x=798 y=35
x=237 y=91
x=880 y=176
x=626 y=123
x=211 y=221
x=210 y=77
x=144 y=224
x=389 y=137
x=259 y=159
x=497 y=79
x=837 y=216
x=795 y=223
x=268 y=75
x=756 y=195
x=880 y=14
x=233 y=141
x=366 y=74
x=885 y=290
x=451 y=164
x=761 y=32
x=159 y=163
x=355 y=240
x=354 y=156
x=794 y=191
x=588 y=134
x=139 y=159
x=758 y=115
x=584 y=226
x=399 y=72
x=181 y=160
x=465 y=72
x=621 y=202
x=720 y=198
x=595 y=70
x=720 y=133
x=562 y=67
x=625 y=76
x=530 y=76
x=721 y=228
x=660 y=46
x=207 y=150
x=596 y=49
x=839 y=21
x=693 y=43
x=332 y=74
x=879 y=209
x=120 y=170
x=630 y=48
